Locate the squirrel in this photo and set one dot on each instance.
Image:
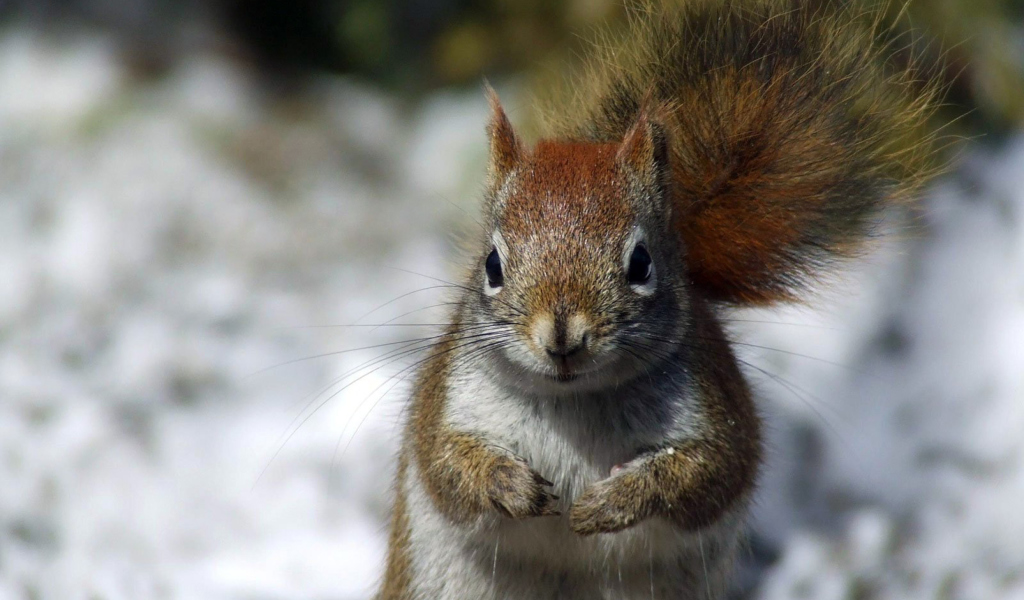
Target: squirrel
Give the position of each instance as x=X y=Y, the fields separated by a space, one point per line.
x=582 y=428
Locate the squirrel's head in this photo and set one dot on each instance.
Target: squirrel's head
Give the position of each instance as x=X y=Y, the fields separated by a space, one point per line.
x=579 y=265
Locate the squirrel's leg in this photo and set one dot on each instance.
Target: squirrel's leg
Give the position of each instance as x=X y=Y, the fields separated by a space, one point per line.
x=466 y=477
x=687 y=483
x=470 y=477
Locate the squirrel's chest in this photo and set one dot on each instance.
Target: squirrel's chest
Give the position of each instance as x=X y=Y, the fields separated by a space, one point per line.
x=573 y=441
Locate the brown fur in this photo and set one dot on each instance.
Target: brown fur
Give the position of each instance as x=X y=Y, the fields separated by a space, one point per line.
x=398 y=569
x=789 y=131
x=555 y=177
x=506 y=149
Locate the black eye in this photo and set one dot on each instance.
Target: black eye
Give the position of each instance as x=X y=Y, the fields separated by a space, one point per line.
x=493 y=268
x=639 y=265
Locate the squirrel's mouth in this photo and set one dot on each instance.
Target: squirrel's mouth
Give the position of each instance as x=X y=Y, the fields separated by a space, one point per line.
x=562 y=377
x=567 y=373
x=564 y=371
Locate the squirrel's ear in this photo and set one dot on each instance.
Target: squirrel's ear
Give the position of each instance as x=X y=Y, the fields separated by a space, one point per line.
x=506 y=151
x=644 y=150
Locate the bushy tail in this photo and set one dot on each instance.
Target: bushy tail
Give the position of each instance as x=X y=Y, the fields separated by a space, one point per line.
x=790 y=127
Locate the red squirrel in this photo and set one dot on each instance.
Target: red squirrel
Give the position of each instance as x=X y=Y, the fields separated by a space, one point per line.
x=582 y=429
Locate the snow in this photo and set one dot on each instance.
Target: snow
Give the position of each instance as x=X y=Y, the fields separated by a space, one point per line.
x=169 y=249
x=924 y=439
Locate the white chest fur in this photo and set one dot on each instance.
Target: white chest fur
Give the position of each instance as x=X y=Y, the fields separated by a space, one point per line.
x=574 y=441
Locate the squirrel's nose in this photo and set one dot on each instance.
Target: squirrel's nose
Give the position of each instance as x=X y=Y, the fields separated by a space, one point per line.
x=562 y=337
x=566 y=350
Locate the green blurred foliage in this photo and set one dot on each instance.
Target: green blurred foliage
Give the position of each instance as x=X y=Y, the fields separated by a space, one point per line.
x=412 y=46
x=975 y=46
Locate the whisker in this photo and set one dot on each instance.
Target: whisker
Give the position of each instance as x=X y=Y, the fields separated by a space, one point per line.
x=790 y=386
x=325 y=355
x=400 y=297
x=402 y=375
x=511 y=307
x=787 y=323
x=389 y=322
x=406 y=314
x=746 y=344
x=377 y=364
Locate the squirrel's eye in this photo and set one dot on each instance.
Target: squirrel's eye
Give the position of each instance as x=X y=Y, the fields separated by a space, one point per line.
x=493 y=267
x=639 y=265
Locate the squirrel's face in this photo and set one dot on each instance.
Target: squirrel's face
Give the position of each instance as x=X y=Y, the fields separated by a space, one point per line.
x=578 y=265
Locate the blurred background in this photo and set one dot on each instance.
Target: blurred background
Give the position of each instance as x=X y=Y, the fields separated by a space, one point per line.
x=220 y=227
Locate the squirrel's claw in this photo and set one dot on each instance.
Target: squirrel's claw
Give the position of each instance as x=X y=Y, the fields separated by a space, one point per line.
x=517 y=491
x=610 y=505
x=541 y=479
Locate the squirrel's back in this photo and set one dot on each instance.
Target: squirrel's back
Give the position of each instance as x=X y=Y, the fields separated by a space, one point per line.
x=789 y=126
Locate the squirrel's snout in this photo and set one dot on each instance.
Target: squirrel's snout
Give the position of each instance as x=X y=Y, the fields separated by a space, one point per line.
x=565 y=351
x=561 y=338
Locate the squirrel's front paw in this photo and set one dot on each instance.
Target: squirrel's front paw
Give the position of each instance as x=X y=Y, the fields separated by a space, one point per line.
x=611 y=505
x=518 y=491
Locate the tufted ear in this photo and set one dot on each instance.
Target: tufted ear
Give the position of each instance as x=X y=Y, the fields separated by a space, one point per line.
x=644 y=150
x=506 y=151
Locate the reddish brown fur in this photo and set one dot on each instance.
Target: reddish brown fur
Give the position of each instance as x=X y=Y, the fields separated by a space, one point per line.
x=568 y=180
x=397 y=580
x=789 y=131
x=743 y=213
x=506 y=149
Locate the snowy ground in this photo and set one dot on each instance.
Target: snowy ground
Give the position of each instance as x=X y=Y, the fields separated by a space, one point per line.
x=163 y=243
